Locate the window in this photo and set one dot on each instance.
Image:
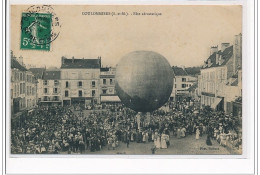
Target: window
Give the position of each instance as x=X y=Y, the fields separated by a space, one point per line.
x=111 y=81
x=80 y=83
x=93 y=83
x=183 y=79
x=56 y=82
x=93 y=93
x=55 y=90
x=21 y=76
x=56 y=98
x=27 y=90
x=67 y=84
x=66 y=93
x=175 y=85
x=104 y=81
x=104 y=91
x=80 y=93
x=183 y=85
x=17 y=90
x=21 y=88
x=45 y=90
x=45 y=82
x=45 y=98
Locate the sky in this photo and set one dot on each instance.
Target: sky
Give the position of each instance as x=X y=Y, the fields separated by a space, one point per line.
x=182 y=34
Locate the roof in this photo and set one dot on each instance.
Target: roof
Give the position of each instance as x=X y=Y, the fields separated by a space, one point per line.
x=226 y=55
x=192 y=70
x=37 y=72
x=16 y=65
x=80 y=63
x=178 y=71
x=51 y=75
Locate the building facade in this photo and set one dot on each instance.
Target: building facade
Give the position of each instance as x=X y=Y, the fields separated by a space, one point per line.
x=217 y=82
x=181 y=83
x=23 y=87
x=51 y=88
x=107 y=85
x=80 y=81
x=38 y=73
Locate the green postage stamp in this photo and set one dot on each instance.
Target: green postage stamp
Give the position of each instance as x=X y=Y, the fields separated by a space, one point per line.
x=36 y=31
x=39 y=27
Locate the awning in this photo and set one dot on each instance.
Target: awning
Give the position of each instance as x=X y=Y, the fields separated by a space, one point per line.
x=216 y=102
x=110 y=99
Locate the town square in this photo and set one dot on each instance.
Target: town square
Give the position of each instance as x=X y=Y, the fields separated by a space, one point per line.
x=164 y=82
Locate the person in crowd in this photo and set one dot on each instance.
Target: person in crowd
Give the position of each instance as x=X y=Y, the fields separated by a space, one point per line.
x=197 y=133
x=164 y=141
x=158 y=141
x=208 y=141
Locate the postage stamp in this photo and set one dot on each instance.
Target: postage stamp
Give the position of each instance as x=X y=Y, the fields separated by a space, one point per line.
x=36 y=31
x=39 y=27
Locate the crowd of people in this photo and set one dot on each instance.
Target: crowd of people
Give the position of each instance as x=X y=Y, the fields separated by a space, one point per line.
x=73 y=130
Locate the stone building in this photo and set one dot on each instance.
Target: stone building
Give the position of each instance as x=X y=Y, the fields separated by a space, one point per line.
x=23 y=87
x=38 y=73
x=51 y=88
x=218 y=82
x=181 y=83
x=80 y=81
x=107 y=85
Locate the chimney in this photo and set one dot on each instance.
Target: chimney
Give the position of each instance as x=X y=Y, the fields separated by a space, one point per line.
x=62 y=60
x=213 y=49
x=99 y=61
x=237 y=52
x=21 y=60
x=224 y=46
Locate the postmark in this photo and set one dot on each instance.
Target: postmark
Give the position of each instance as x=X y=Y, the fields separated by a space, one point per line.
x=40 y=26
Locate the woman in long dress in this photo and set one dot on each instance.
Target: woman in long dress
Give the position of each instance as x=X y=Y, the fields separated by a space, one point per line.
x=178 y=133
x=132 y=136
x=197 y=134
x=183 y=131
x=152 y=136
x=158 y=142
x=155 y=137
x=144 y=137
x=163 y=141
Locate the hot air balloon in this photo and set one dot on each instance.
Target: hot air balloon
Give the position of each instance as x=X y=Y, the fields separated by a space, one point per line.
x=144 y=80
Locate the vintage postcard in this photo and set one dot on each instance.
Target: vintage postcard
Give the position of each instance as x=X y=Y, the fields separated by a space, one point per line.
x=126 y=79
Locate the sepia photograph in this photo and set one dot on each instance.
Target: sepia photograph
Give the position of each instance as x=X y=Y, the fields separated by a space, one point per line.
x=125 y=80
